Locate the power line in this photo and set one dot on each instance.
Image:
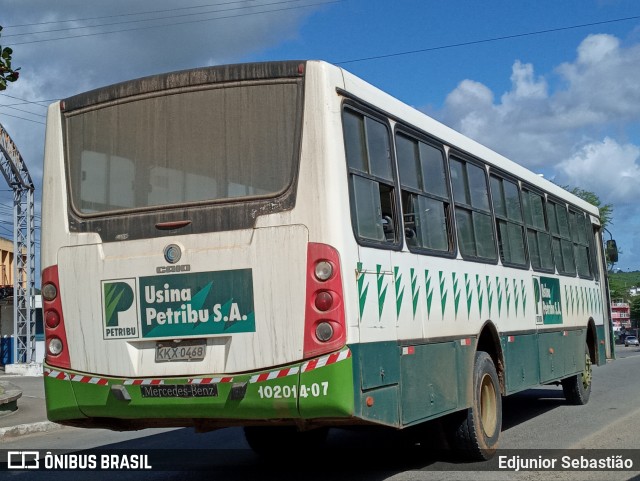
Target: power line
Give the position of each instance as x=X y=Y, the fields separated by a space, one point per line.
x=22 y=118
x=30 y=101
x=486 y=40
x=118 y=15
x=180 y=23
x=151 y=18
x=34 y=102
x=22 y=110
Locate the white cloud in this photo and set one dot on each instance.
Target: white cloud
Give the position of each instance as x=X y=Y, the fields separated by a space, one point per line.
x=525 y=86
x=539 y=128
x=514 y=124
x=601 y=85
x=472 y=121
x=606 y=167
x=184 y=35
x=577 y=125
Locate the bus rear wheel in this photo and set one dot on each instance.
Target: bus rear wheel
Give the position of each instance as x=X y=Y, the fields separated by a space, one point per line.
x=476 y=431
x=266 y=440
x=577 y=389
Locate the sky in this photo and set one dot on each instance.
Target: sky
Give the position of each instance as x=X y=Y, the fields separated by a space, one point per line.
x=553 y=85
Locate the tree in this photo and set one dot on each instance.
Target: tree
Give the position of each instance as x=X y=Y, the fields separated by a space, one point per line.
x=635 y=310
x=7 y=73
x=606 y=210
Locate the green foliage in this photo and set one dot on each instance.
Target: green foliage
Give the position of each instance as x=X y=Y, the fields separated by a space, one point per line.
x=606 y=210
x=621 y=282
x=7 y=73
x=635 y=308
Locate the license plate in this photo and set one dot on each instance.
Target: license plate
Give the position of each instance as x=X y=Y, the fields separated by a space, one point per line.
x=181 y=351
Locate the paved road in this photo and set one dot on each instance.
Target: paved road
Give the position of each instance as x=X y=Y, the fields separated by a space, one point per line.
x=537 y=419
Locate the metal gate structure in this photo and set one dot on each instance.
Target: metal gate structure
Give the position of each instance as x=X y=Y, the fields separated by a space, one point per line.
x=17 y=175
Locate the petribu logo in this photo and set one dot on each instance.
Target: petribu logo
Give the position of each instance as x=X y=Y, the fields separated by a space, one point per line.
x=119 y=309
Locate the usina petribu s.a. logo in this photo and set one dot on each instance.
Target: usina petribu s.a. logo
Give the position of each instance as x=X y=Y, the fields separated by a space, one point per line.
x=185 y=304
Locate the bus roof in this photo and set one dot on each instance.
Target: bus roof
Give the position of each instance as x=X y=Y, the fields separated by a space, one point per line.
x=352 y=84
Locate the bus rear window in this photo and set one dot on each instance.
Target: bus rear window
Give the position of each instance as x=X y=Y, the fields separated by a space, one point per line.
x=195 y=146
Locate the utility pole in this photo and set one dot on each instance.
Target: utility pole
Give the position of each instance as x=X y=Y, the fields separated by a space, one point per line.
x=19 y=180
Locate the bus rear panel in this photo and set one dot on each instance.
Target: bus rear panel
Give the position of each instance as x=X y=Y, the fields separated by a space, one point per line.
x=169 y=299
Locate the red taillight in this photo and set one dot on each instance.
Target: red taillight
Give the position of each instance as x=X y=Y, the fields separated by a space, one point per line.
x=52 y=318
x=324 y=301
x=325 y=329
x=57 y=350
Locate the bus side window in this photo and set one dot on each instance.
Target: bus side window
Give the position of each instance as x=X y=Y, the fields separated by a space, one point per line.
x=580 y=237
x=561 y=238
x=539 y=240
x=509 y=224
x=426 y=203
x=472 y=211
x=368 y=152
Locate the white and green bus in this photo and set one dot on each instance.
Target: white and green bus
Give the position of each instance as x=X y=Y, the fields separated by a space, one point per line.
x=284 y=247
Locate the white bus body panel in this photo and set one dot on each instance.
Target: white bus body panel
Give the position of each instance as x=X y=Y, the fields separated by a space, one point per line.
x=278 y=300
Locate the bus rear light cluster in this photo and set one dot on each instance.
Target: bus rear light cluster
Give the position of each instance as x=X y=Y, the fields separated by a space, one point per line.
x=325 y=329
x=56 y=336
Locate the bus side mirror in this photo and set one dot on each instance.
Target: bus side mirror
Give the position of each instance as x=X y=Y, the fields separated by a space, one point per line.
x=612 y=251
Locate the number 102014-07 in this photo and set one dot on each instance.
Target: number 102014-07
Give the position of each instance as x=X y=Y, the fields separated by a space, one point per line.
x=282 y=392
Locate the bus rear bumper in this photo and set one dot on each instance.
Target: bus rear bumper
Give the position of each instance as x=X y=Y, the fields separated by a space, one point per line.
x=321 y=388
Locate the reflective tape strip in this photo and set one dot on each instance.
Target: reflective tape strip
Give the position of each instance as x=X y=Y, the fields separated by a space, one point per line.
x=143 y=382
x=267 y=376
x=89 y=380
x=210 y=380
x=326 y=360
x=63 y=376
x=100 y=381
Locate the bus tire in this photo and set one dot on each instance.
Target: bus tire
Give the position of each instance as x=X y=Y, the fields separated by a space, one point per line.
x=577 y=389
x=267 y=440
x=477 y=431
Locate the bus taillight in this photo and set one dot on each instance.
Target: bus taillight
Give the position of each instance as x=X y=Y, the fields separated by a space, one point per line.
x=52 y=319
x=324 y=301
x=325 y=329
x=57 y=353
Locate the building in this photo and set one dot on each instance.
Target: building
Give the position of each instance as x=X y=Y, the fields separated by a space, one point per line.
x=621 y=316
x=7 y=263
x=7 y=277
